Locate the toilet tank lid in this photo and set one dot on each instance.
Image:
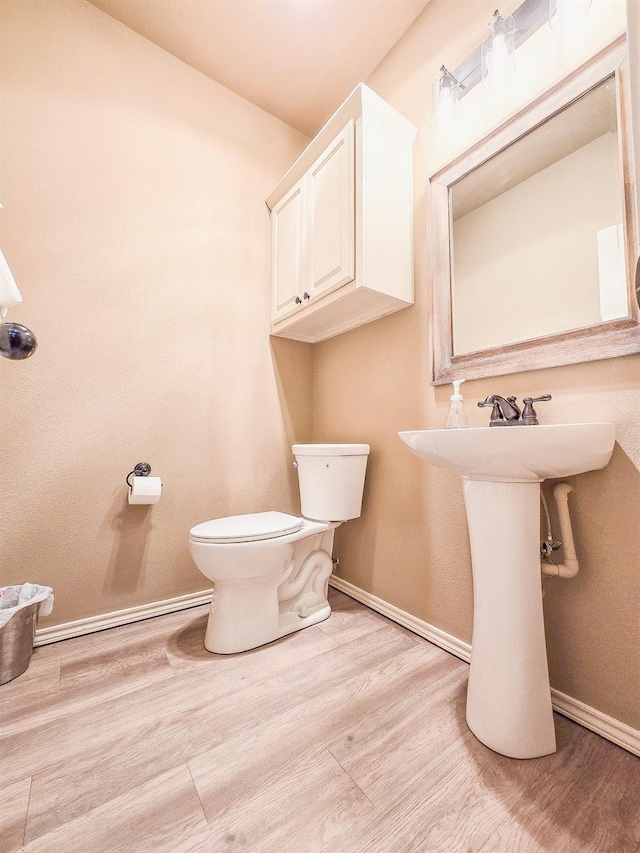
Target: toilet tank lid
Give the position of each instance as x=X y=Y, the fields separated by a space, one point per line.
x=330 y=449
x=247 y=528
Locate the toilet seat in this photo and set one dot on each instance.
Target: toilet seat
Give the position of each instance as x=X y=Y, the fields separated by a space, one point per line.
x=251 y=527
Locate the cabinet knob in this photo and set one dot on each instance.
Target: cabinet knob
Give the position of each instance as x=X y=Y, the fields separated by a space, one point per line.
x=298 y=300
x=305 y=295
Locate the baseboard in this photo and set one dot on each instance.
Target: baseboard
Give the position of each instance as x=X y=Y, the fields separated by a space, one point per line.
x=607 y=727
x=90 y=625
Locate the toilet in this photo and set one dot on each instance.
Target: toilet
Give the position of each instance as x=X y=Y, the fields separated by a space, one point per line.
x=270 y=569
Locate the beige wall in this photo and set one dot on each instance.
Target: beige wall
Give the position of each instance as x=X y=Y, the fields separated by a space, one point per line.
x=410 y=547
x=135 y=225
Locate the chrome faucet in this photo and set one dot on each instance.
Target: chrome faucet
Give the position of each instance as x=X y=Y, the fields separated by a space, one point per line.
x=507 y=413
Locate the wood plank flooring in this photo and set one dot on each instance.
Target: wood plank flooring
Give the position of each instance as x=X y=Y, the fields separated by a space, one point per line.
x=346 y=737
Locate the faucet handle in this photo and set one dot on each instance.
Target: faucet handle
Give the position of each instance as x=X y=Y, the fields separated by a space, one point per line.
x=529 y=416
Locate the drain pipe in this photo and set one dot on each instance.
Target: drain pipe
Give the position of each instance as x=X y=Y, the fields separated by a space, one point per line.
x=568 y=569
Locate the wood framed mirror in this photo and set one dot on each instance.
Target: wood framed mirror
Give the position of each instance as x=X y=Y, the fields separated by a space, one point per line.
x=534 y=234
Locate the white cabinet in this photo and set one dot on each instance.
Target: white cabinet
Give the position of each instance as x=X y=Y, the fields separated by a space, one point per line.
x=342 y=224
x=313 y=230
x=331 y=216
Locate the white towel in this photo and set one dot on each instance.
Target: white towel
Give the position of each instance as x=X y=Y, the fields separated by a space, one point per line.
x=9 y=293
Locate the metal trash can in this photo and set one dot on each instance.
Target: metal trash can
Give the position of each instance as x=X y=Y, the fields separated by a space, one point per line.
x=20 y=606
x=16 y=642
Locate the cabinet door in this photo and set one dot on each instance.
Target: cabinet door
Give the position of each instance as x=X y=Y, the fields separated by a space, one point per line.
x=287 y=252
x=331 y=216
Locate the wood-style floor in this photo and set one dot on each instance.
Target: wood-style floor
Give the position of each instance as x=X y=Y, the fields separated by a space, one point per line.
x=347 y=737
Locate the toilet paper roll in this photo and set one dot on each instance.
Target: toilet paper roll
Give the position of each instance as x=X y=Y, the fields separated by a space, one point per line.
x=145 y=490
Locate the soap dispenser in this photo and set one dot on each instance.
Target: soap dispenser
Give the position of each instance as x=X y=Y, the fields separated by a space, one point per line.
x=456 y=418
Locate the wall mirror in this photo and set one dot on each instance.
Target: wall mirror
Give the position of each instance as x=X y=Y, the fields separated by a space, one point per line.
x=534 y=234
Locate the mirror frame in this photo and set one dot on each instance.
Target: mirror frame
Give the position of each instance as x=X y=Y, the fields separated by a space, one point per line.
x=591 y=343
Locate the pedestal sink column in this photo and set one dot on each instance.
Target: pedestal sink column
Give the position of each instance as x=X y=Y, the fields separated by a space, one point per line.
x=508 y=699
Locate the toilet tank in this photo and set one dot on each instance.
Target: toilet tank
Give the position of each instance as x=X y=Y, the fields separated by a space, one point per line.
x=331 y=478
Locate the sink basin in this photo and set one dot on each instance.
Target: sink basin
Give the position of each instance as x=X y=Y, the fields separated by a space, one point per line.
x=517 y=452
x=508 y=698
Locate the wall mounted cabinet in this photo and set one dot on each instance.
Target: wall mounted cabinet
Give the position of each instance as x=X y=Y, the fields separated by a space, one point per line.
x=342 y=224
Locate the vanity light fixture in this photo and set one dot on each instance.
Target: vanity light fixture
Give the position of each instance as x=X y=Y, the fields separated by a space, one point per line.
x=565 y=14
x=446 y=89
x=498 y=51
x=493 y=62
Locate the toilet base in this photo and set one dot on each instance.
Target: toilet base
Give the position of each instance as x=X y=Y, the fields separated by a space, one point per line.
x=290 y=622
x=227 y=633
x=261 y=610
x=241 y=617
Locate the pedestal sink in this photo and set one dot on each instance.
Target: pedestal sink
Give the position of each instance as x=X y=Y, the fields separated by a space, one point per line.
x=508 y=699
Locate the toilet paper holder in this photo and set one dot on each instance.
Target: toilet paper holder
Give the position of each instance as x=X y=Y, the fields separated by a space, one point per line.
x=142 y=469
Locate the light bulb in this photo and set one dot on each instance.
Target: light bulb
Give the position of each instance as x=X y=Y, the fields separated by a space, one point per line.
x=499 y=60
x=445 y=98
x=497 y=52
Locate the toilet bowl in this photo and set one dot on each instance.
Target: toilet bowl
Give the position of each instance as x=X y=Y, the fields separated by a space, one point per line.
x=271 y=569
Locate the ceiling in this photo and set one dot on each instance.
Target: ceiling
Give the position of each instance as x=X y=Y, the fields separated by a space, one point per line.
x=296 y=59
